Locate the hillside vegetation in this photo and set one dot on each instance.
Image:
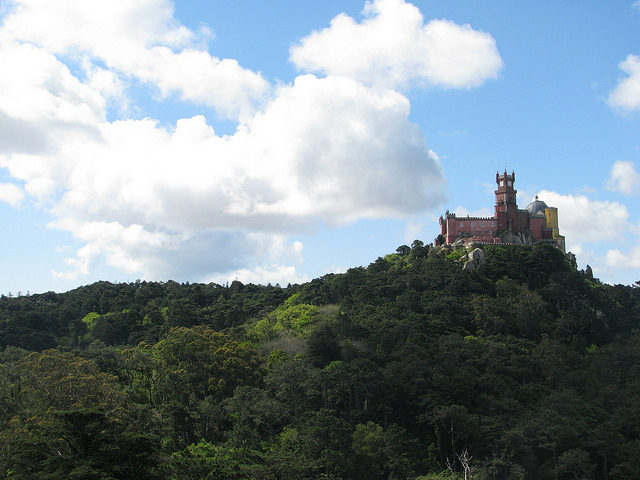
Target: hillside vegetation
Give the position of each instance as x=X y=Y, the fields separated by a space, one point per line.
x=410 y=368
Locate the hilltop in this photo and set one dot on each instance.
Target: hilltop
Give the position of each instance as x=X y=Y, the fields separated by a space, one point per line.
x=525 y=363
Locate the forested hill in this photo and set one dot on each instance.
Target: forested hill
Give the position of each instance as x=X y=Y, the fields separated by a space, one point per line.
x=523 y=368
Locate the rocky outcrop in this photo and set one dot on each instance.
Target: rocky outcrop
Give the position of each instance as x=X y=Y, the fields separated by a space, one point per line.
x=473 y=259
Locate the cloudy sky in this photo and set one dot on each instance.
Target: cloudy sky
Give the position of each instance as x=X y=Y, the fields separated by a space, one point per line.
x=274 y=142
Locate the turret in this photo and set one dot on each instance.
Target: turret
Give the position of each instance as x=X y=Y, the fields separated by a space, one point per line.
x=506 y=209
x=551 y=216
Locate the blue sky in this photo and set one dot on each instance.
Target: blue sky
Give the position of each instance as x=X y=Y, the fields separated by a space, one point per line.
x=274 y=142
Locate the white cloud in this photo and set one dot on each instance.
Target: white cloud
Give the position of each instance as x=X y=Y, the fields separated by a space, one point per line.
x=100 y=27
x=337 y=269
x=328 y=149
x=393 y=47
x=108 y=84
x=221 y=84
x=129 y=249
x=624 y=178
x=163 y=255
x=460 y=211
x=40 y=87
x=180 y=201
x=271 y=274
x=336 y=149
x=11 y=194
x=40 y=100
x=626 y=95
x=636 y=5
x=590 y=227
x=138 y=40
x=581 y=219
x=617 y=259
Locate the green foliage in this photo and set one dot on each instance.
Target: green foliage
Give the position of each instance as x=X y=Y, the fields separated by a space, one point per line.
x=368 y=439
x=291 y=318
x=456 y=254
x=390 y=371
x=275 y=357
x=205 y=461
x=69 y=420
x=202 y=362
x=89 y=319
x=323 y=346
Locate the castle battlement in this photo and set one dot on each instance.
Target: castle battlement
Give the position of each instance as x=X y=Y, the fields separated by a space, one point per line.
x=467 y=217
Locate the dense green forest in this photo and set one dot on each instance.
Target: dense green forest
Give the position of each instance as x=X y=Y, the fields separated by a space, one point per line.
x=411 y=368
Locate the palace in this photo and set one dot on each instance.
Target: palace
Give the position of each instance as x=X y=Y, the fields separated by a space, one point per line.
x=509 y=224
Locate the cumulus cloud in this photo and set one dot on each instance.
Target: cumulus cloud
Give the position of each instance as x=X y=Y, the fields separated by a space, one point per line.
x=342 y=151
x=11 y=194
x=626 y=95
x=161 y=255
x=329 y=149
x=617 y=259
x=128 y=248
x=271 y=274
x=184 y=201
x=584 y=220
x=100 y=27
x=461 y=211
x=138 y=40
x=40 y=100
x=624 y=178
x=393 y=47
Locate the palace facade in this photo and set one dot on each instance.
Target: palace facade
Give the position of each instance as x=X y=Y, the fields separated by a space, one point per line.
x=509 y=224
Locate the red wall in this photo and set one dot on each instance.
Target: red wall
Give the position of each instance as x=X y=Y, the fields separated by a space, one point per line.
x=483 y=229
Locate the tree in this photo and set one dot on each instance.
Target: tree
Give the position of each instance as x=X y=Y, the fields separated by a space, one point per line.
x=255 y=415
x=575 y=464
x=288 y=382
x=368 y=444
x=72 y=421
x=380 y=452
x=323 y=345
x=205 y=461
x=202 y=362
